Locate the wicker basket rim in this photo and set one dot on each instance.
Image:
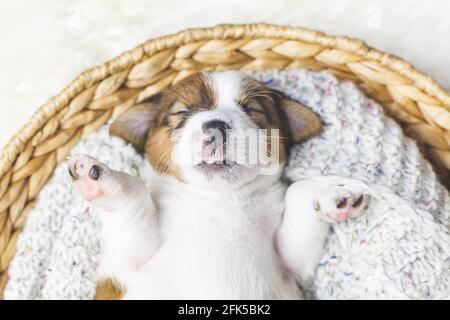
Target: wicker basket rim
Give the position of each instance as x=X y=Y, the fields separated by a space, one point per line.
x=224 y=31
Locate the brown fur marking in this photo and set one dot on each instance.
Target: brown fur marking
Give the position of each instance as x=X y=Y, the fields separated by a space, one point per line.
x=272 y=109
x=108 y=289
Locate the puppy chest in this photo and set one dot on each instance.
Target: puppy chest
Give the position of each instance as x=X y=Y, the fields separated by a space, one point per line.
x=205 y=254
x=226 y=223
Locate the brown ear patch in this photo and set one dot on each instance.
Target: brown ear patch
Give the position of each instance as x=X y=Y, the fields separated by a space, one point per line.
x=134 y=124
x=291 y=117
x=303 y=122
x=272 y=109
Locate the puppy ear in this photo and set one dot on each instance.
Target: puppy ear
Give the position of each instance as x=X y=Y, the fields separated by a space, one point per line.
x=303 y=122
x=134 y=124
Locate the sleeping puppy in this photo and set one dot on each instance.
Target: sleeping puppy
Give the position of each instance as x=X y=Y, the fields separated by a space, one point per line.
x=217 y=222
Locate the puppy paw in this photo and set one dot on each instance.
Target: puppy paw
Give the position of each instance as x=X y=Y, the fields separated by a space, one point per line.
x=338 y=204
x=89 y=176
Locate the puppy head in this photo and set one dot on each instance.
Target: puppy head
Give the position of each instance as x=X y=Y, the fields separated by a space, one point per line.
x=218 y=128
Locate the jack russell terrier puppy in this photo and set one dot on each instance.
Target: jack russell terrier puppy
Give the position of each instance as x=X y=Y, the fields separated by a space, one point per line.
x=217 y=222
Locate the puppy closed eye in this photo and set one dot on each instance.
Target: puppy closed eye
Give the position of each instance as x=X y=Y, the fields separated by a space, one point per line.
x=249 y=109
x=181 y=112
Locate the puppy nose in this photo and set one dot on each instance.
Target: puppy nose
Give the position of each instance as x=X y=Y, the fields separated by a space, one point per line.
x=213 y=128
x=220 y=125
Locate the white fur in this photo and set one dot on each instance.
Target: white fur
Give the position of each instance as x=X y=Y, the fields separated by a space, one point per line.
x=217 y=245
x=213 y=237
x=302 y=234
x=130 y=230
x=227 y=85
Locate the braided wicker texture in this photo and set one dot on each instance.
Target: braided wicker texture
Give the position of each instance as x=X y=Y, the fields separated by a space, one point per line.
x=28 y=160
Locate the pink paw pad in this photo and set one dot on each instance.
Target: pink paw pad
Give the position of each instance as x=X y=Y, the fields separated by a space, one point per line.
x=344 y=207
x=85 y=173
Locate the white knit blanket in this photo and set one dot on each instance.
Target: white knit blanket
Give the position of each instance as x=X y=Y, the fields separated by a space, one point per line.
x=396 y=252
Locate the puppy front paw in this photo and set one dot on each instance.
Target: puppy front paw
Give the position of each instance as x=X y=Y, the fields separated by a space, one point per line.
x=90 y=177
x=337 y=205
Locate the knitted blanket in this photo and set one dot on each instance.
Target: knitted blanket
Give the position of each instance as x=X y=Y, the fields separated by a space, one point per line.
x=400 y=250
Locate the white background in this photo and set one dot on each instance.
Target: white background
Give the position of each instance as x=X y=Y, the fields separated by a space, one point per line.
x=45 y=43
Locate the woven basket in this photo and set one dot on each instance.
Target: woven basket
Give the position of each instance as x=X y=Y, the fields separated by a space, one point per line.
x=28 y=160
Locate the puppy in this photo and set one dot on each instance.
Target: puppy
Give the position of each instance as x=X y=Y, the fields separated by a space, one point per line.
x=217 y=221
